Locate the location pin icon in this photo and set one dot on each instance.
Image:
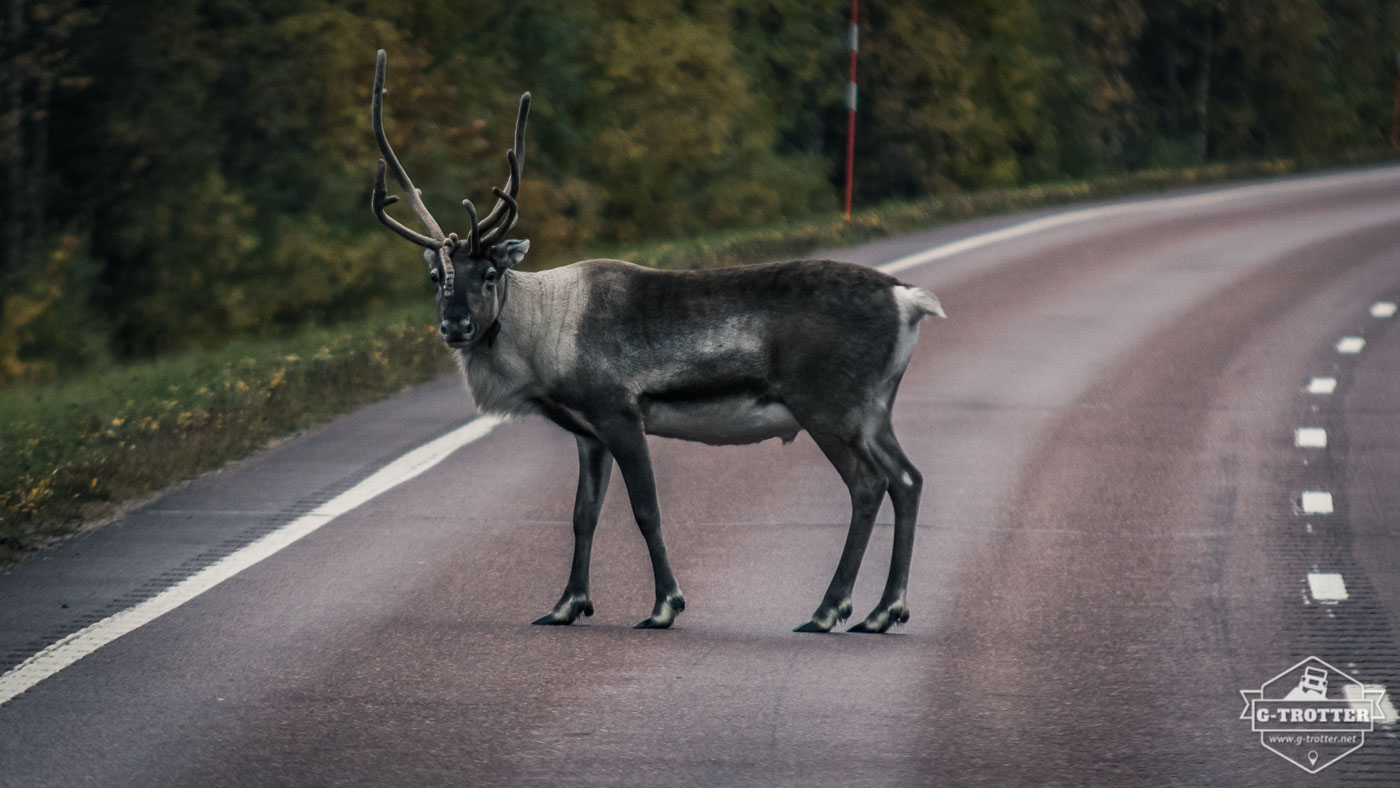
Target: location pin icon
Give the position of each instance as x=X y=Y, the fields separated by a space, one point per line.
x=1312 y=757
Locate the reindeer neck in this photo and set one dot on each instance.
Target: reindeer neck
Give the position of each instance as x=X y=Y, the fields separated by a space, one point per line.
x=529 y=345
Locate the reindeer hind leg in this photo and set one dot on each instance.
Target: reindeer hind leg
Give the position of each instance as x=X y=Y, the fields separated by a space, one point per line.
x=867 y=484
x=905 y=485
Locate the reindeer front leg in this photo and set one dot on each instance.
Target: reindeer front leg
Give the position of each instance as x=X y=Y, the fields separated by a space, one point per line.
x=594 y=471
x=628 y=444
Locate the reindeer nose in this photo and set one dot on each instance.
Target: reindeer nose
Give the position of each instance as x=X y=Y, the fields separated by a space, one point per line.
x=456 y=328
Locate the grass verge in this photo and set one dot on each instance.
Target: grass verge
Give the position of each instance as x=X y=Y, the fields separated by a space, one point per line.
x=75 y=449
x=790 y=240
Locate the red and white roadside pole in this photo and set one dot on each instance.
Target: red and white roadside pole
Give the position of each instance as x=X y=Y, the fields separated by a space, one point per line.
x=851 y=107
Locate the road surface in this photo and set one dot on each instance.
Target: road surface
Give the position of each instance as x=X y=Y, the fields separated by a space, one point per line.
x=1112 y=545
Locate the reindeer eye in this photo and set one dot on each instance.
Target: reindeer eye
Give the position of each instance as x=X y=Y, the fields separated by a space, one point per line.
x=433 y=275
x=490 y=278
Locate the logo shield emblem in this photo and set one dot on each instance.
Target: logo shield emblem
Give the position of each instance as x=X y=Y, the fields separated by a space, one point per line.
x=1313 y=714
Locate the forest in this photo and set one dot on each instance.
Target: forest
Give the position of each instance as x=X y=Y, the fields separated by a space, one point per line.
x=179 y=174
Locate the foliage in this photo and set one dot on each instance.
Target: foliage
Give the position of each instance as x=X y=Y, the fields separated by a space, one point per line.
x=183 y=175
x=75 y=449
x=79 y=447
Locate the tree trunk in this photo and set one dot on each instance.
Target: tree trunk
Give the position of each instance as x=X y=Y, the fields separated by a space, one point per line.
x=38 y=174
x=1203 y=91
x=1171 y=91
x=14 y=123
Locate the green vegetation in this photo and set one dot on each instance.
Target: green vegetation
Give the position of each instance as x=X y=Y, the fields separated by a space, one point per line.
x=185 y=185
x=182 y=175
x=77 y=447
x=738 y=247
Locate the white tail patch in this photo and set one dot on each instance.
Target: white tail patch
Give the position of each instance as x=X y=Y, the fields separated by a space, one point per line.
x=915 y=302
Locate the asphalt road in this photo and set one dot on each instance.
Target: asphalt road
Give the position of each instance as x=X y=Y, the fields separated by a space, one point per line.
x=1111 y=546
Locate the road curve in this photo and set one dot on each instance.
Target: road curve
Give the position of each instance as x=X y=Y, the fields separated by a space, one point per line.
x=1111 y=546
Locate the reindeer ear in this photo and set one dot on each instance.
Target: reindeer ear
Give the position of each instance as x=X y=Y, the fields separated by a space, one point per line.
x=508 y=253
x=430 y=255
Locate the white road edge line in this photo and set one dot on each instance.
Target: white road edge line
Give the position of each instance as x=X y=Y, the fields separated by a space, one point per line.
x=70 y=649
x=85 y=641
x=1105 y=211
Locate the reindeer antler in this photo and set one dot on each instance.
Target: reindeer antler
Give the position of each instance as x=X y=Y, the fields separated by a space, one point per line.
x=502 y=217
x=381 y=199
x=482 y=234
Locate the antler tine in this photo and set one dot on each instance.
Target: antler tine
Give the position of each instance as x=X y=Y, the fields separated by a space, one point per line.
x=512 y=210
x=474 y=237
x=381 y=198
x=513 y=184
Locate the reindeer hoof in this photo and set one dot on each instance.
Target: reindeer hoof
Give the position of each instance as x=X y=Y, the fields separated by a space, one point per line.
x=664 y=613
x=567 y=611
x=827 y=617
x=882 y=618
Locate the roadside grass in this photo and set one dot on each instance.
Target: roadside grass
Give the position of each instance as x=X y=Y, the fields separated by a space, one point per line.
x=73 y=450
x=795 y=238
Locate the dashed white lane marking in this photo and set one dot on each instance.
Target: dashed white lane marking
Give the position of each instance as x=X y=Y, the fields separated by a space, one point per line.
x=85 y=641
x=1383 y=309
x=1356 y=697
x=1350 y=345
x=1327 y=586
x=1322 y=385
x=1316 y=502
x=1310 y=438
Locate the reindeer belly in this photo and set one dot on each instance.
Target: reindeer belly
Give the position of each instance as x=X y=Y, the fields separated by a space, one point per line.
x=728 y=420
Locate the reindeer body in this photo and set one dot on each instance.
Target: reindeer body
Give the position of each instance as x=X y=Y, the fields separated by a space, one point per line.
x=613 y=352
x=708 y=356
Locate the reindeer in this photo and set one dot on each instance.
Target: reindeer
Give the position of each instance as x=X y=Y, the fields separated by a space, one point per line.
x=612 y=352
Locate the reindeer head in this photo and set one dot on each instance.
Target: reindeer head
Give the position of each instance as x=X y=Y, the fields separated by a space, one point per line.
x=469 y=274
